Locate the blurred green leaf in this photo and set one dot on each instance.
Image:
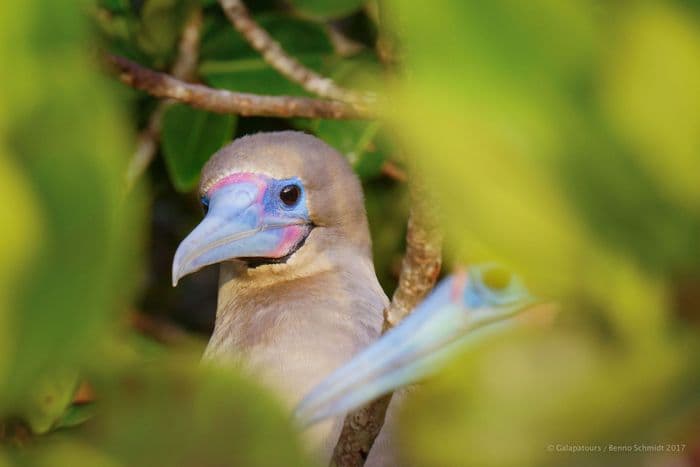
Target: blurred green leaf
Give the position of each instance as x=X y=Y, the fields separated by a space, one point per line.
x=485 y=140
x=116 y=6
x=69 y=141
x=118 y=35
x=387 y=212
x=160 y=25
x=529 y=391
x=48 y=399
x=65 y=452
x=327 y=9
x=17 y=247
x=553 y=153
x=189 y=137
x=191 y=416
x=609 y=188
x=76 y=415
x=651 y=93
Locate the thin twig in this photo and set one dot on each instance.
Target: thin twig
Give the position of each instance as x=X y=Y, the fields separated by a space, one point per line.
x=273 y=53
x=184 y=68
x=222 y=101
x=419 y=271
x=342 y=44
x=146 y=145
x=393 y=171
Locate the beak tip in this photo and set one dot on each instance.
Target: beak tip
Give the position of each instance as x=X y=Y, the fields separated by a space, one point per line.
x=176 y=272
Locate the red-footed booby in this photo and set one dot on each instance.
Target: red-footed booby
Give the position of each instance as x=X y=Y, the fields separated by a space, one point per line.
x=298 y=295
x=299 y=303
x=463 y=309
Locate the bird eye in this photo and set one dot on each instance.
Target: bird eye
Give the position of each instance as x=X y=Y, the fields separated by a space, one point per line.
x=205 y=203
x=290 y=194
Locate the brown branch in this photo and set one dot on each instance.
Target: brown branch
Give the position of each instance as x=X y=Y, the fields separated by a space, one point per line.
x=273 y=53
x=184 y=68
x=146 y=145
x=419 y=271
x=158 y=329
x=421 y=263
x=360 y=429
x=222 y=101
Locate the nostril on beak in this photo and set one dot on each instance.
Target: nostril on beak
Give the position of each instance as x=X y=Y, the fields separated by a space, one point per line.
x=242 y=197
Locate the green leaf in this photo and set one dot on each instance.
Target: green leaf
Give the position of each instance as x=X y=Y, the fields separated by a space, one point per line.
x=192 y=415
x=18 y=247
x=63 y=451
x=658 y=114
x=115 y=6
x=189 y=137
x=327 y=9
x=254 y=75
x=576 y=391
x=160 y=25
x=66 y=295
x=356 y=141
x=75 y=415
x=48 y=400
x=220 y=41
x=557 y=137
x=229 y=62
x=387 y=211
x=360 y=141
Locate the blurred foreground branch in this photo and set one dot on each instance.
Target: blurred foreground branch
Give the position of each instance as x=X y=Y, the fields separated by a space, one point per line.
x=393 y=171
x=158 y=329
x=184 y=68
x=419 y=271
x=273 y=53
x=222 y=101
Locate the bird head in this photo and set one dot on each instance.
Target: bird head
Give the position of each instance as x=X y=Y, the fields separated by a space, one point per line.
x=462 y=309
x=276 y=200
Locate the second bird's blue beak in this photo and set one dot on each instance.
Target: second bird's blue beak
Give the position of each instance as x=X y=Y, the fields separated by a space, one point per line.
x=461 y=310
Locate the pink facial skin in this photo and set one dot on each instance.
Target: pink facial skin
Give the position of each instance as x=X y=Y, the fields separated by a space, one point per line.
x=261 y=181
x=291 y=236
x=458 y=285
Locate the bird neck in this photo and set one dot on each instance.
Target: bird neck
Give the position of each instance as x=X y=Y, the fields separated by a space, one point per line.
x=293 y=331
x=261 y=307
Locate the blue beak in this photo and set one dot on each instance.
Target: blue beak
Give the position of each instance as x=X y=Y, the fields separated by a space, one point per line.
x=461 y=311
x=243 y=222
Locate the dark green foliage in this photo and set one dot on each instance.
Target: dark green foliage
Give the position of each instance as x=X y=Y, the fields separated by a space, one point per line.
x=189 y=137
x=229 y=62
x=323 y=9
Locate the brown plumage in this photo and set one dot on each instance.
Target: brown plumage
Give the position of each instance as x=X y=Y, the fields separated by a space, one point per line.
x=291 y=324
